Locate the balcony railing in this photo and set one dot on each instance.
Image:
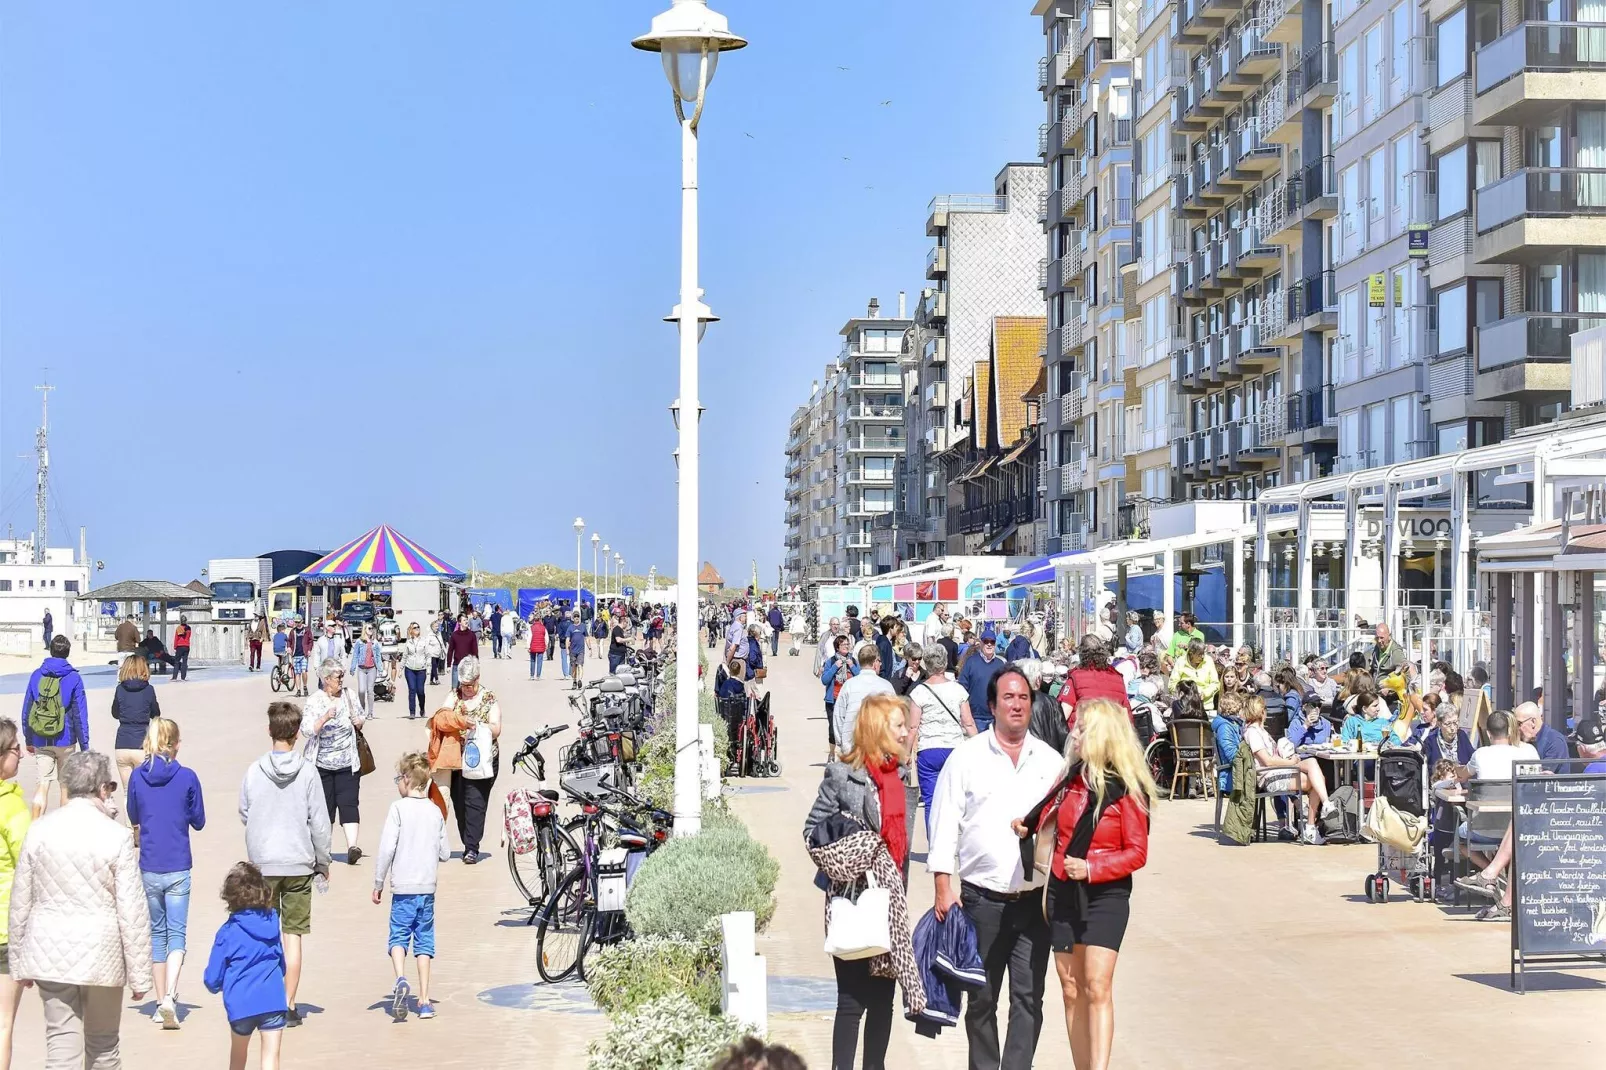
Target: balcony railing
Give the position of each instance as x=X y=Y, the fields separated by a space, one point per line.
x=1308 y=409
x=875 y=442
x=1042 y=73
x=883 y=382
x=1319 y=179
x=1541 y=46
x=1542 y=191
x=1117 y=132
x=1535 y=336
x=1319 y=66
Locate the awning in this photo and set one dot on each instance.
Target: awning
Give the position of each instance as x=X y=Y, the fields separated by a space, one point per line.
x=379 y=553
x=977 y=470
x=1014 y=455
x=1039 y=571
x=998 y=540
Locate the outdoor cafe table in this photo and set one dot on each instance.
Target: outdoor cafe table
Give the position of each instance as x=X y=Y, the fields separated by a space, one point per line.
x=1346 y=769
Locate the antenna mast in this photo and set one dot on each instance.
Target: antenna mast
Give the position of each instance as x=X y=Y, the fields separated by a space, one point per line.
x=42 y=489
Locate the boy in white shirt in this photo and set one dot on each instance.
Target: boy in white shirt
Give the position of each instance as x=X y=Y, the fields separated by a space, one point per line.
x=411 y=848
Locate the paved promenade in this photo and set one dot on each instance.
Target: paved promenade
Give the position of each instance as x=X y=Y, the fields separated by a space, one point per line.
x=1267 y=948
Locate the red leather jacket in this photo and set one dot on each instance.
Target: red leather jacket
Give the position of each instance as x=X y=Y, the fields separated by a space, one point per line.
x=1120 y=840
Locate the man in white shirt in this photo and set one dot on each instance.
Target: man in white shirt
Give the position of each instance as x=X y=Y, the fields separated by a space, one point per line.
x=327 y=645
x=869 y=682
x=822 y=652
x=1494 y=760
x=933 y=629
x=989 y=781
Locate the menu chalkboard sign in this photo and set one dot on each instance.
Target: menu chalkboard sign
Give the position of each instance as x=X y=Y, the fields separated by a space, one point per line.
x=1558 y=868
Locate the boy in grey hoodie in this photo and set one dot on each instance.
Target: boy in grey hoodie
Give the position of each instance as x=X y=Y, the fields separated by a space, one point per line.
x=411 y=848
x=287 y=834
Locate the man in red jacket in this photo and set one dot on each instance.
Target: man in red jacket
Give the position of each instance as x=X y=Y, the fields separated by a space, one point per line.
x=1093 y=677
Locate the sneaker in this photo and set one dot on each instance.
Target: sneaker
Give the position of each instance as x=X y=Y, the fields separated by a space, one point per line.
x=1478 y=884
x=168 y=1014
x=292 y=1017
x=1286 y=834
x=1312 y=836
x=1328 y=807
x=1494 y=912
x=426 y=1010
x=398 y=1000
x=352 y=855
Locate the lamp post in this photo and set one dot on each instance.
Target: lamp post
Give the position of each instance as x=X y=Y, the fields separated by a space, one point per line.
x=579 y=544
x=689 y=37
x=595 y=590
x=606 y=550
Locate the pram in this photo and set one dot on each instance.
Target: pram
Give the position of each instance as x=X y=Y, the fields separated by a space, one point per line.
x=1402 y=780
x=384 y=690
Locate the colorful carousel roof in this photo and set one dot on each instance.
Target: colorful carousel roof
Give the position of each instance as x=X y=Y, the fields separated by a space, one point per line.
x=381 y=552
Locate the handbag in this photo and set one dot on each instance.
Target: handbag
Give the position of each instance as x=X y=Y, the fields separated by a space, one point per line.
x=1386 y=825
x=477 y=756
x=859 y=928
x=365 y=754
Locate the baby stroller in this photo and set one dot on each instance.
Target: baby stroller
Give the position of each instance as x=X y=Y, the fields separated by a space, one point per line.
x=1403 y=855
x=384 y=690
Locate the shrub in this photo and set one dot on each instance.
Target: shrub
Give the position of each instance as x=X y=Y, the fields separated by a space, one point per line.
x=624 y=976
x=655 y=781
x=689 y=882
x=671 y=1033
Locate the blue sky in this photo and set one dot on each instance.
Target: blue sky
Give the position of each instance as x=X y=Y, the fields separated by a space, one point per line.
x=304 y=268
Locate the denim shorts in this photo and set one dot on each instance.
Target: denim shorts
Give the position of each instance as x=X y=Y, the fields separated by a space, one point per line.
x=412 y=919
x=266 y=1023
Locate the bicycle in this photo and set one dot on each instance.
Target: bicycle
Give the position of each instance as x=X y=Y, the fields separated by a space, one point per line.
x=536 y=872
x=573 y=918
x=280 y=678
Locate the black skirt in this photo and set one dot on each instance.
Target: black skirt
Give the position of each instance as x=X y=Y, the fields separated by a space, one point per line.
x=1092 y=914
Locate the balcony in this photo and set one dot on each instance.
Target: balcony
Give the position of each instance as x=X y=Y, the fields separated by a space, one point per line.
x=935 y=304
x=1282 y=18
x=935 y=351
x=1071 y=125
x=1042 y=273
x=1196 y=20
x=875 y=412
x=859 y=540
x=1529 y=356
x=1072 y=331
x=1042 y=207
x=875 y=382
x=875 y=444
x=1117 y=134
x=1319 y=186
x=937 y=262
x=1253 y=156
x=1316 y=301
x=1252 y=56
x=1060 y=68
x=1312 y=414
x=935 y=439
x=1251 y=252
x=1249 y=445
x=1280 y=122
x=941 y=207
x=936 y=395
x=870 y=477
x=1538 y=212
x=1533 y=71
x=1042 y=74
x=1319 y=75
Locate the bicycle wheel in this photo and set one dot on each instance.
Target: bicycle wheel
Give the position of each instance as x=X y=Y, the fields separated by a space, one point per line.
x=565 y=929
x=275 y=678
x=536 y=873
x=744 y=751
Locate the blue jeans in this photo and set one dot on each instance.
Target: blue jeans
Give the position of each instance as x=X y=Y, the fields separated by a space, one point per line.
x=168 y=897
x=928 y=764
x=412 y=917
x=565 y=655
x=415 y=686
x=536 y=661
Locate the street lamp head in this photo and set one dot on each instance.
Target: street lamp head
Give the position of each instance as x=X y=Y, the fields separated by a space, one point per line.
x=594 y=540
x=606 y=549
x=705 y=316
x=579 y=526
x=690 y=38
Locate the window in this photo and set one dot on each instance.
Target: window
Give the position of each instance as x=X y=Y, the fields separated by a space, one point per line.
x=1377 y=195
x=1450 y=172
x=1349 y=88
x=875 y=340
x=1403 y=155
x=1486 y=168
x=878 y=467
x=1402 y=415
x=5 y=585
x=1372 y=449
x=70 y=585
x=1486 y=20
x=1450 y=315
x=1349 y=444
x=1400 y=54
x=1376 y=62
x=1450 y=41
x=1402 y=292
x=1352 y=238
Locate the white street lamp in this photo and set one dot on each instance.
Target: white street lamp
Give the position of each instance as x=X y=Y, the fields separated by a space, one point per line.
x=596 y=592
x=690 y=38
x=605 y=551
x=579 y=544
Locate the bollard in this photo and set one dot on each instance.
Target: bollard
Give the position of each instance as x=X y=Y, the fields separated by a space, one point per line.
x=744 y=986
x=707 y=760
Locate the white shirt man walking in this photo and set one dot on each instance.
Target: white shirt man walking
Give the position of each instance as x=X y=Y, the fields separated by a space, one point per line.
x=855 y=691
x=935 y=625
x=989 y=781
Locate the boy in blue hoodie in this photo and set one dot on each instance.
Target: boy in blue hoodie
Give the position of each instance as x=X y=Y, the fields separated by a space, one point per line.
x=55 y=719
x=247 y=966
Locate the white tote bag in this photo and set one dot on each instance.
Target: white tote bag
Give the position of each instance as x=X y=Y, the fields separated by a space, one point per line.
x=477 y=752
x=859 y=929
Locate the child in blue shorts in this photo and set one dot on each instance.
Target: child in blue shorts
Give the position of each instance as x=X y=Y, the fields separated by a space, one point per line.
x=411 y=849
x=247 y=966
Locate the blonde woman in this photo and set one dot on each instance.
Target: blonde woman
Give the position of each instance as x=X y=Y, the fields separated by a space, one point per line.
x=134 y=706
x=1098 y=815
x=164 y=804
x=1273 y=772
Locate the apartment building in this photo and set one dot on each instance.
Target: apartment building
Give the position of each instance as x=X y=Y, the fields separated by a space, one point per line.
x=844 y=450
x=1091 y=271
x=985 y=263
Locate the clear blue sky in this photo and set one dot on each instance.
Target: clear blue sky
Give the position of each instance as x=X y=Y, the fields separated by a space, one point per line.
x=300 y=269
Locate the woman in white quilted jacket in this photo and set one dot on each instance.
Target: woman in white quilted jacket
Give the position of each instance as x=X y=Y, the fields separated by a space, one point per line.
x=80 y=930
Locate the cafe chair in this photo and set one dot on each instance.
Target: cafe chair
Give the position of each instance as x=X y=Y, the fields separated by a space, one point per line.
x=1487 y=812
x=1194 y=745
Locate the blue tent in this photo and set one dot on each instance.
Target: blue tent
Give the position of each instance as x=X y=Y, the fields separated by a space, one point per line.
x=480 y=597
x=1039 y=571
x=1209 y=598
x=529 y=596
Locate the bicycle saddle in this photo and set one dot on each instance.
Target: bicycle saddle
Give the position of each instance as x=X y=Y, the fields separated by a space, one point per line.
x=611 y=685
x=548 y=794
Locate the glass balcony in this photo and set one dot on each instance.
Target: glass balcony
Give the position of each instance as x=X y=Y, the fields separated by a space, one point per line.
x=1542 y=191
x=1541 y=46
x=1536 y=336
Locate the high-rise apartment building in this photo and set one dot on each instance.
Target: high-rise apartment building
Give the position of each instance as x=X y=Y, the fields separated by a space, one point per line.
x=844 y=450
x=1090 y=270
x=985 y=264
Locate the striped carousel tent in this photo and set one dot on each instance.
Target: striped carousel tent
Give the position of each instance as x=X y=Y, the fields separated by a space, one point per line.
x=381 y=552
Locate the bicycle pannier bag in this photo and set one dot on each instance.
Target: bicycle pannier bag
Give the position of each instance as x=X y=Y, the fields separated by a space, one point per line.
x=518 y=817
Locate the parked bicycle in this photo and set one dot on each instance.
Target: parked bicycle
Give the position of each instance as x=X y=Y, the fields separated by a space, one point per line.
x=539 y=856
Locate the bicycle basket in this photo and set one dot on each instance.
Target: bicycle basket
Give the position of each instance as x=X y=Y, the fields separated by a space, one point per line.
x=593 y=781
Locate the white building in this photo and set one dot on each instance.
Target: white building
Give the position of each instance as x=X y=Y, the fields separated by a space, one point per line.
x=27 y=590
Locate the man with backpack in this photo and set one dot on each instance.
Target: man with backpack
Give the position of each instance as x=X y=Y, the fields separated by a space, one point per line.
x=55 y=718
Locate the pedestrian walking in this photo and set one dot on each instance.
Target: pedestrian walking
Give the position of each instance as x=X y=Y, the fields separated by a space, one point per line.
x=975 y=860
x=254 y=640
x=416 y=655
x=81 y=941
x=14 y=821
x=164 y=804
x=577 y=651
x=301 y=643
x=364 y=668
x=412 y=846
x=50 y=628
x=537 y=649
x=618 y=643
x=939 y=722
x=496 y=632
x=328 y=646
x=472 y=705
x=134 y=706
x=464 y=643
x=795 y=629
x=55 y=719
x=1098 y=814
x=248 y=965
x=181 y=649
x=286 y=836
x=507 y=627
x=777 y=623
x=333 y=721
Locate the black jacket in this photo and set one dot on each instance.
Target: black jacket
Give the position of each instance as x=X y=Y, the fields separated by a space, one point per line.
x=1048 y=721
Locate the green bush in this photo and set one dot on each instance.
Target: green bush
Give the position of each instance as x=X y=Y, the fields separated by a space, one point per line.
x=624 y=976
x=671 y=1033
x=687 y=883
x=656 y=780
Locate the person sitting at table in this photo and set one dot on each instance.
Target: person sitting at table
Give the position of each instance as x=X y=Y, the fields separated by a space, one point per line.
x=1273 y=772
x=1197 y=668
x=1371 y=721
x=1279 y=710
x=1187 y=705
x=1427 y=721
x=1446 y=740
x=1310 y=729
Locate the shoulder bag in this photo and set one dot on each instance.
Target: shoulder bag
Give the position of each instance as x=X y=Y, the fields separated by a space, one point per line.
x=933 y=692
x=479 y=747
x=859 y=928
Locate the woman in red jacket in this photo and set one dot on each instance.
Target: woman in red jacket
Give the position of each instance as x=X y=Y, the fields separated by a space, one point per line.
x=1099 y=817
x=1093 y=677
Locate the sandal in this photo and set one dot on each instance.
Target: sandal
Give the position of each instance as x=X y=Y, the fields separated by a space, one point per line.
x=1495 y=912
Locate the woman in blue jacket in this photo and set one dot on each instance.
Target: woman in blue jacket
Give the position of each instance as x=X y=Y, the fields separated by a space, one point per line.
x=164 y=804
